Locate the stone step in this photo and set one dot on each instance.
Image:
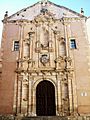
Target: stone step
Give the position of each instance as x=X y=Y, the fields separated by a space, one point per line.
x=45 y=118
x=12 y=117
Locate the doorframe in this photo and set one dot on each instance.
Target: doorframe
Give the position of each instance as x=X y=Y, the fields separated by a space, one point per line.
x=34 y=94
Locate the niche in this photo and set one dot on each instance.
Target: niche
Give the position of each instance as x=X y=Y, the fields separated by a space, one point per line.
x=62 y=49
x=25 y=92
x=44 y=38
x=26 y=50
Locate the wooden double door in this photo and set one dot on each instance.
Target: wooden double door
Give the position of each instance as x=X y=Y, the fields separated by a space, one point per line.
x=45 y=99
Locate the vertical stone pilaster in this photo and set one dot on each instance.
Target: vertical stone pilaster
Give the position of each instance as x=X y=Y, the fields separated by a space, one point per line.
x=66 y=35
x=21 y=79
x=50 y=38
x=31 y=45
x=30 y=95
x=16 y=95
x=65 y=95
x=59 y=96
x=70 y=90
x=56 y=45
x=19 y=94
x=38 y=40
x=66 y=38
x=52 y=47
x=75 y=102
x=27 y=95
x=21 y=40
x=55 y=39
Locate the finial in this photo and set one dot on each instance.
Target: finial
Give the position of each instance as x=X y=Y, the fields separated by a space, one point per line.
x=44 y=6
x=82 y=11
x=6 y=14
x=44 y=1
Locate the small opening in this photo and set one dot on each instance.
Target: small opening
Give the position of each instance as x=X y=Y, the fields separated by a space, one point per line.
x=16 y=45
x=72 y=43
x=46 y=3
x=41 y=2
x=24 y=9
x=17 y=14
x=14 y=21
x=56 y=27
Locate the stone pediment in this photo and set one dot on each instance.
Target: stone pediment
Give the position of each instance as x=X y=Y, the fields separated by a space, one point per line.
x=31 y=12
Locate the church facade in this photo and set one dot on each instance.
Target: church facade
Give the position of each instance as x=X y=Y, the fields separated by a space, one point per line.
x=45 y=62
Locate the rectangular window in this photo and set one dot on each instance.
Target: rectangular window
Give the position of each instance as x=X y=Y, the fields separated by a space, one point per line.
x=16 y=45
x=72 y=43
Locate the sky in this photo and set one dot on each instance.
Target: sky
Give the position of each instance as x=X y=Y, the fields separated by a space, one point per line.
x=12 y=6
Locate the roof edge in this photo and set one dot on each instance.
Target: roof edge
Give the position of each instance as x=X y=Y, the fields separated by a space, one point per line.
x=68 y=9
x=24 y=9
x=19 y=11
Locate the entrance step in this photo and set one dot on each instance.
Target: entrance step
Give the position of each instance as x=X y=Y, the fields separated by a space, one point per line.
x=45 y=118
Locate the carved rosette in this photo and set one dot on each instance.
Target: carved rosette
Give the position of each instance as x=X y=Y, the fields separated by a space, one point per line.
x=44 y=59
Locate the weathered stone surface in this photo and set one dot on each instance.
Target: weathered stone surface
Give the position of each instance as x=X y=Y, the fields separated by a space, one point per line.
x=7 y=117
x=45 y=33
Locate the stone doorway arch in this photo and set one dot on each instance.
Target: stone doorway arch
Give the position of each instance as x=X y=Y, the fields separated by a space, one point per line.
x=45 y=99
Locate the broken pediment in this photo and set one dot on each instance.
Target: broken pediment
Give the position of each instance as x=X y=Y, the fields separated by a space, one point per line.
x=44 y=17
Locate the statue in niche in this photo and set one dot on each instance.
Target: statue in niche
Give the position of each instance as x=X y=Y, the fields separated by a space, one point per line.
x=44 y=38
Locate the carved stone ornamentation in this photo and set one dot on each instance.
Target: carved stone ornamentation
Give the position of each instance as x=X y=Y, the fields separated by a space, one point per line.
x=47 y=75
x=37 y=46
x=69 y=62
x=44 y=59
x=61 y=62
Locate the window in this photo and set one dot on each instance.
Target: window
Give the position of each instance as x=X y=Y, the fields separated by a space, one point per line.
x=16 y=45
x=72 y=43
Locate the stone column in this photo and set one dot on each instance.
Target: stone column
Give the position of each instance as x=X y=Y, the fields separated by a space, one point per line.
x=33 y=99
x=52 y=48
x=21 y=40
x=74 y=89
x=19 y=94
x=30 y=96
x=56 y=48
x=65 y=97
x=59 y=96
x=31 y=45
x=50 y=38
x=66 y=38
x=56 y=45
x=70 y=89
